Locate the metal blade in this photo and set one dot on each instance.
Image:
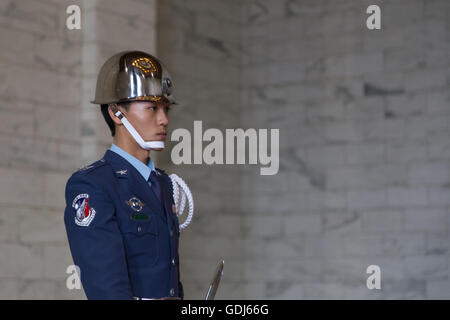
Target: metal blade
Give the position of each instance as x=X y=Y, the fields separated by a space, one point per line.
x=215 y=282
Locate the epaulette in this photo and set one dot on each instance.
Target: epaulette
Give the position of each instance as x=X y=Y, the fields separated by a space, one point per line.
x=92 y=166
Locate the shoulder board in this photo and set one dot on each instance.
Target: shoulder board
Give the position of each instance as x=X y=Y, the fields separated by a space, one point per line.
x=92 y=166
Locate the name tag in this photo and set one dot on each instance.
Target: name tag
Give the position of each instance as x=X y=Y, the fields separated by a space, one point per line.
x=139 y=216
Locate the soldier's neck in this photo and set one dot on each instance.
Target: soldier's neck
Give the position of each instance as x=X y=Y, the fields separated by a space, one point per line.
x=132 y=148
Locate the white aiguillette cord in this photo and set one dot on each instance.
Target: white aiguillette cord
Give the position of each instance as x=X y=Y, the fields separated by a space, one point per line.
x=181 y=192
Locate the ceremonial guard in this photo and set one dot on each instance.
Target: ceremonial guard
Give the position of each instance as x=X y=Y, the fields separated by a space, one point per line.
x=121 y=212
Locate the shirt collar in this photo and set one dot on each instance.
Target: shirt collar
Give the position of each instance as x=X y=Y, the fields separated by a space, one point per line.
x=144 y=169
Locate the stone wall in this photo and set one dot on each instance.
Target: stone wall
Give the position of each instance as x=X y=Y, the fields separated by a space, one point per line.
x=200 y=43
x=49 y=128
x=364 y=126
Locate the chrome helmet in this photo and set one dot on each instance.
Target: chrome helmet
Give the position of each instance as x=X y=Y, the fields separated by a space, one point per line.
x=133 y=76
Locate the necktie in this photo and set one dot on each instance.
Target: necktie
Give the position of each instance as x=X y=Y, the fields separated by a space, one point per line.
x=155 y=184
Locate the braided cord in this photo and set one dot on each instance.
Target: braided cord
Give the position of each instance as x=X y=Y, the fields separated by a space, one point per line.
x=181 y=193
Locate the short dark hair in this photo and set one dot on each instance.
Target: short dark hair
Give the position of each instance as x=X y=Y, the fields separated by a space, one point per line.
x=109 y=122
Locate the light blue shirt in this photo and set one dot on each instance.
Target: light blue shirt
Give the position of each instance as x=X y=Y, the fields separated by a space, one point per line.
x=144 y=169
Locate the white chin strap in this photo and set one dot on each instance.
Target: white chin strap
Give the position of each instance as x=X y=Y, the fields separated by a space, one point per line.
x=146 y=145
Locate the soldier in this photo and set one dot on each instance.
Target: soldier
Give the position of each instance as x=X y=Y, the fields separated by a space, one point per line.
x=120 y=215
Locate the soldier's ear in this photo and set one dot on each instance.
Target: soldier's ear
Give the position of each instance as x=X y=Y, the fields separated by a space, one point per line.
x=112 y=109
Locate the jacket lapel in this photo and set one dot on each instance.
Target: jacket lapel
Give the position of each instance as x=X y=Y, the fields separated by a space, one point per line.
x=166 y=199
x=165 y=195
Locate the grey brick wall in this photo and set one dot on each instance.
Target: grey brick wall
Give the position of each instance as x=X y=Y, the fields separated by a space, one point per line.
x=41 y=139
x=49 y=128
x=364 y=117
x=200 y=43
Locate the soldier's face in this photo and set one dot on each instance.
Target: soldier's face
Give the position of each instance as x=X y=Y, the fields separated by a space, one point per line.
x=150 y=119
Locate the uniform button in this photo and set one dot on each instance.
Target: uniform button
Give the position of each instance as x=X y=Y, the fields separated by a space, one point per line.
x=173 y=261
x=172 y=292
x=139 y=229
x=171 y=232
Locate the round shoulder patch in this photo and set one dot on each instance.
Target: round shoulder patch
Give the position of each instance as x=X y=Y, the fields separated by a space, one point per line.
x=84 y=212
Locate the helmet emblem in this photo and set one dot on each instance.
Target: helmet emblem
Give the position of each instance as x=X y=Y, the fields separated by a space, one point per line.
x=145 y=64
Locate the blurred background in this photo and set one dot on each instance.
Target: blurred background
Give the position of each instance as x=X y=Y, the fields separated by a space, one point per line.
x=364 y=140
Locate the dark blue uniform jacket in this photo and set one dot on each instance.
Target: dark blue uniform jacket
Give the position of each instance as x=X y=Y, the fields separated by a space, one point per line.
x=123 y=239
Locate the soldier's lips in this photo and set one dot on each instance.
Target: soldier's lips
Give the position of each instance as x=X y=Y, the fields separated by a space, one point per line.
x=161 y=136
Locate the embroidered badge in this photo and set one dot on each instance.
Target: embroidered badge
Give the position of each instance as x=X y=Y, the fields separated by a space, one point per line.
x=121 y=172
x=135 y=204
x=84 y=212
